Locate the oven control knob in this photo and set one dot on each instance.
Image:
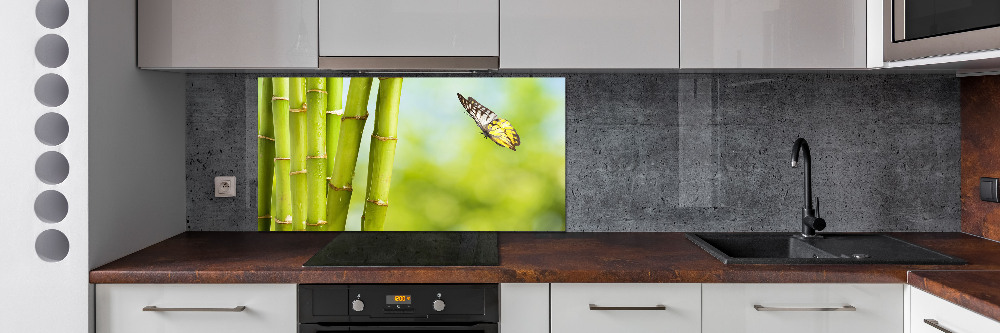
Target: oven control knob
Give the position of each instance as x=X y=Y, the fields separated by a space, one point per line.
x=438 y=305
x=358 y=305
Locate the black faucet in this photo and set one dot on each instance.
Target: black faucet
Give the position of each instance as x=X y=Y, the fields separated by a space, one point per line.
x=810 y=222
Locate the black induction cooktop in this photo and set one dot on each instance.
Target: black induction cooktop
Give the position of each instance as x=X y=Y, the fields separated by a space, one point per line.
x=409 y=248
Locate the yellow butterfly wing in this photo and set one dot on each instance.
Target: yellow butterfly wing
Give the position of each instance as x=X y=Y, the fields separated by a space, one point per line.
x=504 y=134
x=497 y=129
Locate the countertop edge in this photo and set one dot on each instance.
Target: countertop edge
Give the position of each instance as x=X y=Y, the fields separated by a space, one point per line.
x=937 y=283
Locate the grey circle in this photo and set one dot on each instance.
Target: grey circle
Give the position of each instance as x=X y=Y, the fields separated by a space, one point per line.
x=51 y=51
x=51 y=90
x=51 y=129
x=51 y=206
x=52 y=13
x=52 y=245
x=52 y=167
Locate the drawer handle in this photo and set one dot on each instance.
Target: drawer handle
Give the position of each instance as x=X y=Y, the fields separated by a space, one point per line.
x=759 y=307
x=630 y=308
x=935 y=324
x=234 y=309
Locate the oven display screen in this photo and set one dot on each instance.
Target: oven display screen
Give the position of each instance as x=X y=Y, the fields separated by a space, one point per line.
x=397 y=299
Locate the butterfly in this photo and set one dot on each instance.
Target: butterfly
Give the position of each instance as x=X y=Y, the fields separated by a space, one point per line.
x=494 y=128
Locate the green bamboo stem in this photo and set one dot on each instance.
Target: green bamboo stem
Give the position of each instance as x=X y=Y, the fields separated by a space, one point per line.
x=316 y=151
x=334 y=113
x=383 y=151
x=265 y=153
x=274 y=202
x=300 y=198
x=282 y=155
x=352 y=125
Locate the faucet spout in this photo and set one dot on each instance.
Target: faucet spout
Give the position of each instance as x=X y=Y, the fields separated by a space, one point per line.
x=810 y=222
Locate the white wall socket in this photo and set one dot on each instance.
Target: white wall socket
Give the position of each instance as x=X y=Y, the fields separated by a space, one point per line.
x=225 y=186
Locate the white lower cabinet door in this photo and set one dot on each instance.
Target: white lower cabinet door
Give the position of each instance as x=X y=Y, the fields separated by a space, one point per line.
x=196 y=308
x=626 y=307
x=802 y=308
x=524 y=308
x=930 y=314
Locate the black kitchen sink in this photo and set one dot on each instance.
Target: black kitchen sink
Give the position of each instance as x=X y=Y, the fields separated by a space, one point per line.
x=790 y=248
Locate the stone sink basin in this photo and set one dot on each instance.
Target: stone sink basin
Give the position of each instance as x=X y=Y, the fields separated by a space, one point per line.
x=788 y=249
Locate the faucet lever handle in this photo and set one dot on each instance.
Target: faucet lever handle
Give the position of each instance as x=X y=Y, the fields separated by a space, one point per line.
x=817 y=206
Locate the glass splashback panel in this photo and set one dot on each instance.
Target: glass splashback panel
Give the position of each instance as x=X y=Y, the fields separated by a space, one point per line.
x=411 y=154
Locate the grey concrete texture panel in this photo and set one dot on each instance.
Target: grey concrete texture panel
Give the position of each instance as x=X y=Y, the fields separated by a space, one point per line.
x=217 y=145
x=684 y=152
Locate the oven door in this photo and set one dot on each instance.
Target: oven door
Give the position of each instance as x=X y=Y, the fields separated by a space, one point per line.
x=473 y=328
x=926 y=28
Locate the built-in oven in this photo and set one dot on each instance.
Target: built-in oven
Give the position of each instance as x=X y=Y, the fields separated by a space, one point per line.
x=388 y=308
x=927 y=28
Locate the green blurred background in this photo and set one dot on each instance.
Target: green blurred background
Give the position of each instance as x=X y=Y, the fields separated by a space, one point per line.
x=448 y=177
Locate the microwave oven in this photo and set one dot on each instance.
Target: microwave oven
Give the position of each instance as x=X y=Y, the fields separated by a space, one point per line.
x=915 y=29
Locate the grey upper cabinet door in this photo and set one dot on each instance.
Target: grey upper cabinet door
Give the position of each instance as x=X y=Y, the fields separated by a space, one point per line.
x=581 y=34
x=774 y=34
x=409 y=28
x=240 y=34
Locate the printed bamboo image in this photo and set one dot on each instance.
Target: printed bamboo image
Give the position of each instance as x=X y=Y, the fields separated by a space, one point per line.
x=382 y=153
x=352 y=125
x=334 y=113
x=265 y=153
x=316 y=159
x=299 y=135
x=429 y=163
x=282 y=155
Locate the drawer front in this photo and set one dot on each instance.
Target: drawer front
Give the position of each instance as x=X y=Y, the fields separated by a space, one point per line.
x=409 y=28
x=949 y=316
x=729 y=308
x=269 y=308
x=572 y=311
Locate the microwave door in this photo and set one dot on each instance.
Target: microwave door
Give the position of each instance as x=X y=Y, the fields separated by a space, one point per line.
x=916 y=19
x=914 y=29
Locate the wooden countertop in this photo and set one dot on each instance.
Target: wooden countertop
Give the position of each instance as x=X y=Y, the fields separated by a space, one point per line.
x=261 y=257
x=978 y=291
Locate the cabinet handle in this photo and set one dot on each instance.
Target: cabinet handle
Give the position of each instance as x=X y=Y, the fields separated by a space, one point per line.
x=233 y=309
x=615 y=308
x=759 y=307
x=935 y=324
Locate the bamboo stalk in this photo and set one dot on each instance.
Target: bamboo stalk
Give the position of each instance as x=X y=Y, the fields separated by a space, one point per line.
x=352 y=125
x=300 y=198
x=265 y=153
x=274 y=202
x=383 y=151
x=282 y=155
x=316 y=151
x=334 y=113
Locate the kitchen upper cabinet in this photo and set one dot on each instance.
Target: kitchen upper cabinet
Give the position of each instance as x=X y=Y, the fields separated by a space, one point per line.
x=196 y=308
x=459 y=29
x=779 y=34
x=575 y=34
x=626 y=307
x=930 y=314
x=802 y=308
x=221 y=34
